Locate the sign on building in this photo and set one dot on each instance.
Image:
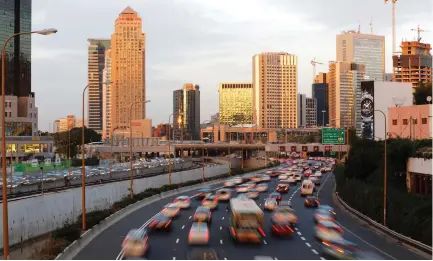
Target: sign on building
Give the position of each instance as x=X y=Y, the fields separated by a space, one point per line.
x=58 y=161
x=48 y=162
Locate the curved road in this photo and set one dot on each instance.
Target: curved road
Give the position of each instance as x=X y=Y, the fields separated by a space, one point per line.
x=174 y=244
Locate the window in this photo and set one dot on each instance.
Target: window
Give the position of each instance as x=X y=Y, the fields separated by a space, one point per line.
x=404 y=121
x=424 y=121
x=415 y=121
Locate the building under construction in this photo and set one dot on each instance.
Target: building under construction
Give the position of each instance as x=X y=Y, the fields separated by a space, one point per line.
x=414 y=64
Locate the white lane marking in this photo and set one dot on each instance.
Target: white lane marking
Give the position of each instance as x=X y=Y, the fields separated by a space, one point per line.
x=264 y=242
x=177 y=240
x=275 y=258
x=299 y=233
x=183 y=226
x=174 y=258
x=303 y=238
x=296 y=228
x=221 y=241
x=308 y=244
x=221 y=228
x=321 y=186
x=314 y=251
x=322 y=258
x=225 y=258
x=190 y=217
x=120 y=255
x=364 y=240
x=223 y=218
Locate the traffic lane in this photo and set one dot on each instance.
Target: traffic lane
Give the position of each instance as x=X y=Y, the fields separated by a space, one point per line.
x=364 y=237
x=107 y=245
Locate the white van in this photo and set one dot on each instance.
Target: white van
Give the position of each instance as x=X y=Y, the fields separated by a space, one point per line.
x=307 y=188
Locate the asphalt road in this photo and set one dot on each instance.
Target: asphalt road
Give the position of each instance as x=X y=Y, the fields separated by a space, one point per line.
x=302 y=246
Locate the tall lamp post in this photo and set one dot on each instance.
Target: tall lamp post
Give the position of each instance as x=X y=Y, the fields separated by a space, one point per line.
x=4 y=176
x=385 y=188
x=202 y=152
x=323 y=117
x=169 y=150
x=131 y=172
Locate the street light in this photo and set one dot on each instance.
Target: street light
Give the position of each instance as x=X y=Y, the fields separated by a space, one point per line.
x=83 y=165
x=202 y=152
x=323 y=117
x=131 y=173
x=4 y=176
x=169 y=145
x=384 y=172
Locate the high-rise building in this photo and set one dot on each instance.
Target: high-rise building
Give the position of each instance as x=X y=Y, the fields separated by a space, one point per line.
x=235 y=103
x=302 y=107
x=310 y=112
x=320 y=93
x=414 y=65
x=106 y=97
x=21 y=116
x=186 y=112
x=15 y=17
x=128 y=70
x=344 y=92
x=56 y=126
x=95 y=67
x=162 y=130
x=366 y=49
x=275 y=87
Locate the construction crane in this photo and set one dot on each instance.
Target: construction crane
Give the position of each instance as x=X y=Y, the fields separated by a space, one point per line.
x=393 y=24
x=419 y=30
x=313 y=62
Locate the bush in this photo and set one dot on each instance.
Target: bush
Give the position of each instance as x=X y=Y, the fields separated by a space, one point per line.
x=88 y=162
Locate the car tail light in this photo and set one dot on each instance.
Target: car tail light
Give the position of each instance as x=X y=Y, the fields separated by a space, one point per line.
x=198 y=194
x=124 y=242
x=168 y=224
x=145 y=241
x=190 y=236
x=316 y=201
x=289 y=228
x=233 y=231
x=203 y=201
x=262 y=232
x=276 y=228
x=153 y=223
x=209 y=216
x=339 y=229
x=215 y=200
x=207 y=236
x=176 y=200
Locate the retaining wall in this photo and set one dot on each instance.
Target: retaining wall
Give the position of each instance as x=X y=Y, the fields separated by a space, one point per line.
x=35 y=216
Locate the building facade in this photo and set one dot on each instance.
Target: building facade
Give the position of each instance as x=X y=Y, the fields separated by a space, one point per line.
x=302 y=110
x=106 y=97
x=56 y=126
x=320 y=93
x=321 y=78
x=235 y=103
x=366 y=49
x=128 y=70
x=21 y=116
x=186 y=112
x=310 y=112
x=15 y=17
x=275 y=87
x=412 y=122
x=414 y=65
x=95 y=67
x=344 y=87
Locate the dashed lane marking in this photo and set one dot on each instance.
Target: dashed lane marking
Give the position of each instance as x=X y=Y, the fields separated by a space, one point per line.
x=296 y=228
x=322 y=258
x=177 y=240
x=221 y=228
x=275 y=258
x=183 y=226
x=314 y=251
x=299 y=233
x=221 y=241
x=190 y=217
x=308 y=244
x=223 y=218
x=174 y=258
x=264 y=242
x=225 y=258
x=303 y=238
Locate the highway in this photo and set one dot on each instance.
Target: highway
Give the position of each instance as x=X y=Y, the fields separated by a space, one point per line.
x=174 y=244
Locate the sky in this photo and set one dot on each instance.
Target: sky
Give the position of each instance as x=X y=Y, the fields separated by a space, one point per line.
x=205 y=42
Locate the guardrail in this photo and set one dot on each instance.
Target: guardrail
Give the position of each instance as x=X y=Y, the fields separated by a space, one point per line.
x=404 y=239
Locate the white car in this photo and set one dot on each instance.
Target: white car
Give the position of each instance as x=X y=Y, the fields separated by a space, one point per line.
x=262 y=187
x=237 y=180
x=266 y=178
x=317 y=174
x=257 y=178
x=282 y=177
x=328 y=231
x=298 y=177
x=229 y=183
x=242 y=189
x=182 y=202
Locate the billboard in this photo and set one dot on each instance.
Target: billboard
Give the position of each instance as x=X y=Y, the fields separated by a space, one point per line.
x=367 y=110
x=333 y=136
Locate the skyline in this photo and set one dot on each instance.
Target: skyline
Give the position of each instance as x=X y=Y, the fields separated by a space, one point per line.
x=208 y=43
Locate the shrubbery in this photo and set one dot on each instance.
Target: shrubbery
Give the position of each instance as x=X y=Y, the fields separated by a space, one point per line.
x=88 y=162
x=360 y=185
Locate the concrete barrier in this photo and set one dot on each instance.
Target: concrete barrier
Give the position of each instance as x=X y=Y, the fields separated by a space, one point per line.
x=35 y=216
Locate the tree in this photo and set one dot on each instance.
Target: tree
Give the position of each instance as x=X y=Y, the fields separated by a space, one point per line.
x=63 y=139
x=422 y=92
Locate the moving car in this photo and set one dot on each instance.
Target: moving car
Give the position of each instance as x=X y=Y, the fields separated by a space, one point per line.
x=282 y=177
x=203 y=254
x=317 y=174
x=242 y=188
x=322 y=215
x=282 y=187
x=256 y=178
x=285 y=214
x=246 y=221
x=298 y=176
x=323 y=170
x=198 y=234
x=170 y=210
x=253 y=193
x=161 y=222
x=210 y=202
x=328 y=231
x=243 y=196
x=275 y=195
x=203 y=192
x=311 y=201
x=327 y=208
x=281 y=227
x=307 y=188
x=270 y=204
x=182 y=202
x=229 y=183
x=135 y=243
x=237 y=180
x=266 y=178
x=202 y=214
x=223 y=194
x=315 y=180
x=251 y=184
x=307 y=173
x=262 y=187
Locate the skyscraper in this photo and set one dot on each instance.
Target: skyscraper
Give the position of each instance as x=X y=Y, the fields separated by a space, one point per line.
x=320 y=93
x=367 y=49
x=235 y=103
x=15 y=17
x=310 y=112
x=302 y=107
x=106 y=97
x=127 y=70
x=95 y=67
x=186 y=112
x=344 y=92
x=274 y=90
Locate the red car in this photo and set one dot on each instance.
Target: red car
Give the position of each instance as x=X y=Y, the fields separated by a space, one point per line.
x=275 y=195
x=308 y=173
x=282 y=188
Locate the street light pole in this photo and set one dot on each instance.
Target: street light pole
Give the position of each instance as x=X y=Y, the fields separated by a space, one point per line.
x=169 y=150
x=323 y=117
x=83 y=170
x=131 y=172
x=3 y=132
x=202 y=153
x=385 y=174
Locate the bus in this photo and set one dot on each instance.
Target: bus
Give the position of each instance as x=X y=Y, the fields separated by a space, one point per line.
x=245 y=221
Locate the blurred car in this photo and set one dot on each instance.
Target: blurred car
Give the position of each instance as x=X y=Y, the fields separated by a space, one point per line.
x=247 y=177
x=253 y=193
x=161 y=222
x=170 y=210
x=275 y=195
x=282 y=177
x=203 y=192
x=256 y=178
x=317 y=174
x=229 y=183
x=282 y=187
x=292 y=181
x=182 y=202
x=281 y=225
x=198 y=234
x=315 y=180
x=340 y=249
x=274 y=173
x=323 y=170
x=223 y=194
x=210 y=202
x=135 y=243
x=243 y=196
x=262 y=187
x=327 y=208
x=311 y=201
x=237 y=180
x=270 y=204
x=328 y=231
x=307 y=173
x=298 y=177
x=285 y=214
x=202 y=214
x=266 y=178
x=322 y=215
x=250 y=184
x=203 y=254
x=243 y=188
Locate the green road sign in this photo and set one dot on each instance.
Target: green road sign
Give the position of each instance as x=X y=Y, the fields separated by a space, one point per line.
x=333 y=136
